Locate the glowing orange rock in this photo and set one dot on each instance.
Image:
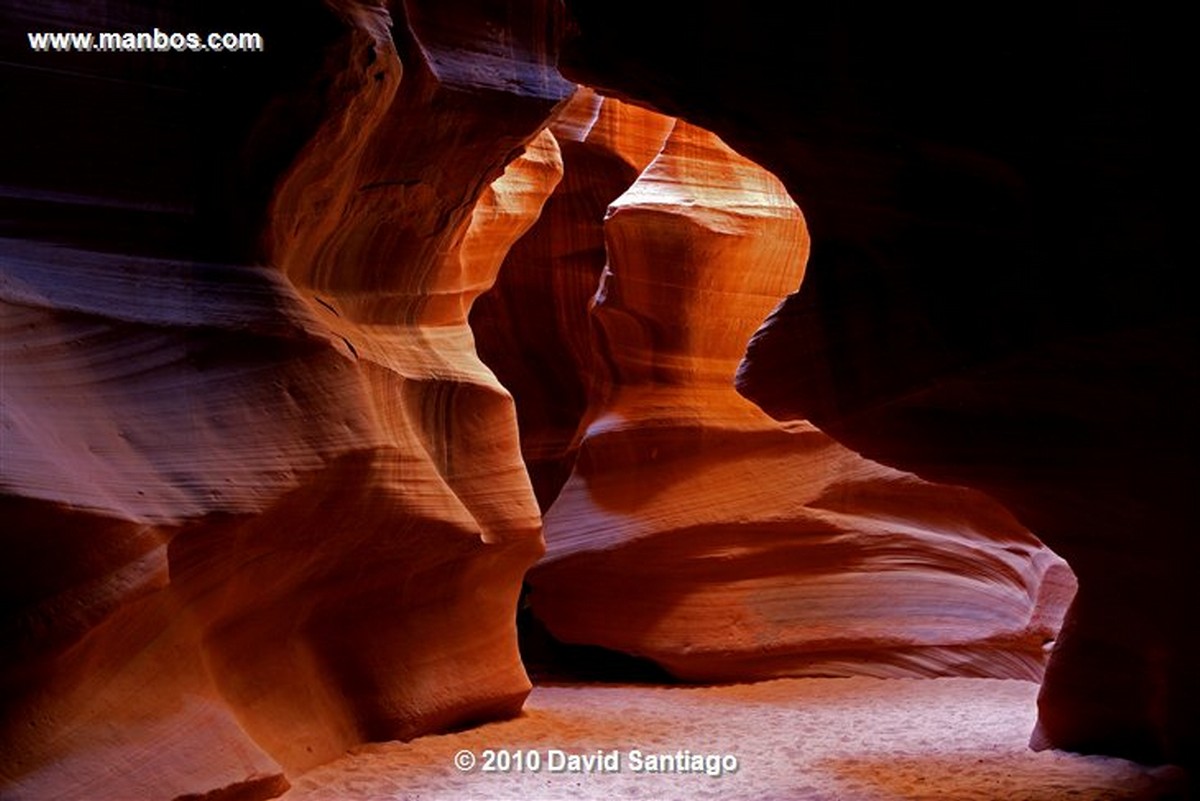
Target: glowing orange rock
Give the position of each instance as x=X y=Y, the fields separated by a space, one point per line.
x=255 y=515
x=700 y=533
x=532 y=327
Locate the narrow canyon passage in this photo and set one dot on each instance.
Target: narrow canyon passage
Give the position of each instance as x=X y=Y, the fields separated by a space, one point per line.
x=439 y=379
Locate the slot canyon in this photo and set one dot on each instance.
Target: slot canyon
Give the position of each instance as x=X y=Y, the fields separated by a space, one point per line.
x=704 y=402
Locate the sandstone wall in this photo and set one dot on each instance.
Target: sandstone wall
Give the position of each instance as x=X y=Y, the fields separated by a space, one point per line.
x=262 y=500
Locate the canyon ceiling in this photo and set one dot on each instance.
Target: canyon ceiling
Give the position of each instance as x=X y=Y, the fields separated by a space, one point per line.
x=305 y=350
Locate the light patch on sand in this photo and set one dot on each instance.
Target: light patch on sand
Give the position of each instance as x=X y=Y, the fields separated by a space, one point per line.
x=829 y=739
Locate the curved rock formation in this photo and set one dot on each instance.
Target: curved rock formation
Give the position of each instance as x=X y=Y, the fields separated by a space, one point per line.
x=258 y=514
x=698 y=532
x=996 y=216
x=532 y=327
x=237 y=390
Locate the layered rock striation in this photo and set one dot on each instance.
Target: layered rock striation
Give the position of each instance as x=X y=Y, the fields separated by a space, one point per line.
x=532 y=327
x=261 y=501
x=996 y=296
x=698 y=532
x=258 y=511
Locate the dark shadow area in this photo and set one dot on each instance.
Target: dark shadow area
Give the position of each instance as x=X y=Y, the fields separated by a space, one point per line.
x=549 y=661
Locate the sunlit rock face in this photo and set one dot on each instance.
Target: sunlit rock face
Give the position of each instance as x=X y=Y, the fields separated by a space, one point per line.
x=698 y=532
x=258 y=511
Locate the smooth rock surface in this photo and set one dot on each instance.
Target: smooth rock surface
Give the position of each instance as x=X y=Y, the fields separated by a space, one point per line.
x=262 y=500
x=212 y=499
x=997 y=220
x=699 y=533
x=531 y=327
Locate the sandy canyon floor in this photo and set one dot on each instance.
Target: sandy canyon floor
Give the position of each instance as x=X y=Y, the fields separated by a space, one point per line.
x=828 y=739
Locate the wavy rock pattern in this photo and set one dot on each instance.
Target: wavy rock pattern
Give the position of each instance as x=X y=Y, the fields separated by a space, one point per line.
x=995 y=297
x=217 y=276
x=698 y=532
x=532 y=326
x=256 y=515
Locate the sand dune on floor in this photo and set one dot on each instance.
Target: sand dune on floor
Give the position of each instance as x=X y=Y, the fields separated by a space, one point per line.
x=854 y=739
